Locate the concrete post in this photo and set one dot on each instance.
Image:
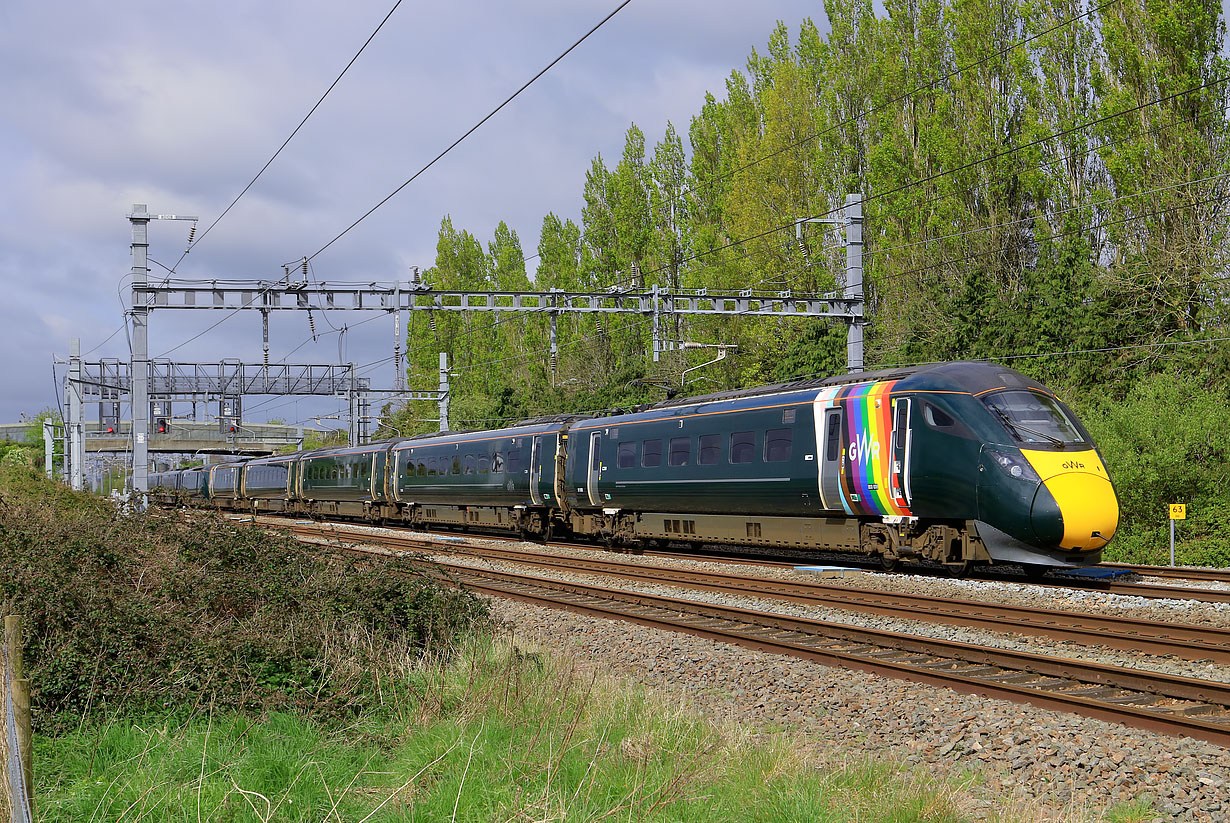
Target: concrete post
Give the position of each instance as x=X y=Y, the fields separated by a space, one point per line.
x=76 y=454
x=49 y=449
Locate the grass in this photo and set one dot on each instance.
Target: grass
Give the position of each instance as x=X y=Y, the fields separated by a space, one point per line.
x=495 y=735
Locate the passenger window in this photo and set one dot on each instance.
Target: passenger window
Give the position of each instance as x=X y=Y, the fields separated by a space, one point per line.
x=484 y=464
x=777 y=445
x=709 y=451
x=742 y=447
x=469 y=464
x=833 y=438
x=497 y=462
x=681 y=451
x=420 y=468
x=433 y=466
x=937 y=418
x=627 y=456
x=514 y=460
x=651 y=453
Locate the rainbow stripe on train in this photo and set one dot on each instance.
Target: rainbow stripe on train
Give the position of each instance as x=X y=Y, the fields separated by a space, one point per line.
x=871 y=481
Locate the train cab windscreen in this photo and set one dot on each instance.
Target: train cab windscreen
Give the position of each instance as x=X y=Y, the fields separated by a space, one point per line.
x=1035 y=420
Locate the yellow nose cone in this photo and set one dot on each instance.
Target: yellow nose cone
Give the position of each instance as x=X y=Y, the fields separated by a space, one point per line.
x=1089 y=507
x=1087 y=501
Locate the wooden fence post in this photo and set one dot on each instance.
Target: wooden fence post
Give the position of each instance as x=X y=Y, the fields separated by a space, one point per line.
x=21 y=702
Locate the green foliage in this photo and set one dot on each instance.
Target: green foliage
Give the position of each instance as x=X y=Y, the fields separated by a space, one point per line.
x=1166 y=442
x=1001 y=219
x=1060 y=207
x=155 y=611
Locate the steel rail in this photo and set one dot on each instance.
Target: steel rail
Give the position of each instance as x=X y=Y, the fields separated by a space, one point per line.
x=1200 y=709
x=1161 y=592
x=1145 y=590
x=1175 y=572
x=1181 y=640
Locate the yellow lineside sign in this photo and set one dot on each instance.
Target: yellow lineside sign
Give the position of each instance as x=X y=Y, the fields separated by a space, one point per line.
x=1178 y=511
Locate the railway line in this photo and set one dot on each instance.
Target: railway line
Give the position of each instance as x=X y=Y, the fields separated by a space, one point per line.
x=1146 y=590
x=1164 y=703
x=1179 y=640
x=1152 y=591
x=1160 y=702
x=1175 y=572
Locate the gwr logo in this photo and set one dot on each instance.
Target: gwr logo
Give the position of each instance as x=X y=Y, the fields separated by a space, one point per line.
x=860 y=448
x=1074 y=464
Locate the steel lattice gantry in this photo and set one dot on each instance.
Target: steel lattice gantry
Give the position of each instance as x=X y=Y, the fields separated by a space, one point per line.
x=288 y=295
x=209 y=381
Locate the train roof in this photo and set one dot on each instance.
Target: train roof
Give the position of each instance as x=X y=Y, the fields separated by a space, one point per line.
x=973 y=376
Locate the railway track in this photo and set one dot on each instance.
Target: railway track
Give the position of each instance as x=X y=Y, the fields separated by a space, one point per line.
x=1145 y=590
x=1180 y=640
x=1158 y=702
x=1169 y=704
x=1175 y=572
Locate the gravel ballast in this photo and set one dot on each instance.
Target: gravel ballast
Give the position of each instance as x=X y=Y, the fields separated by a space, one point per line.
x=1060 y=761
x=1011 y=753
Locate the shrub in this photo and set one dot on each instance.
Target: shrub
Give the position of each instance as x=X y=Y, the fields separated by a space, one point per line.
x=158 y=610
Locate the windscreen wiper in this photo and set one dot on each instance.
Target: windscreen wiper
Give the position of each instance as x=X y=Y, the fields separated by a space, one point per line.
x=1018 y=428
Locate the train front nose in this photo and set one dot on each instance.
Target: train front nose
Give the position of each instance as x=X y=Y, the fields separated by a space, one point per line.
x=1075 y=507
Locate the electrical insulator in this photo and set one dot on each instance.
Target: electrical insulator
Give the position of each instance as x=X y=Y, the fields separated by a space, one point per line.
x=305 y=262
x=191 y=234
x=312 y=325
x=601 y=328
x=431 y=321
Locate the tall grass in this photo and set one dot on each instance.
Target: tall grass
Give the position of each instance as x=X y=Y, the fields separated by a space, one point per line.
x=495 y=735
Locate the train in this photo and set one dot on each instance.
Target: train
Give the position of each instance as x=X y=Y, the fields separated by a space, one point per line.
x=960 y=464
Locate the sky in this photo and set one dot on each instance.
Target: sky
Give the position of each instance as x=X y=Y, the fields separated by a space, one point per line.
x=177 y=106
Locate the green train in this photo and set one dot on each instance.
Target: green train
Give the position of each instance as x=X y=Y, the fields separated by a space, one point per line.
x=961 y=464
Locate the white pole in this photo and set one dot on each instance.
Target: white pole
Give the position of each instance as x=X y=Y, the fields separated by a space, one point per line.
x=1172 y=543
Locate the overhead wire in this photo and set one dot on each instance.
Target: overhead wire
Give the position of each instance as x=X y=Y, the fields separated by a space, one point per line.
x=915 y=90
x=965 y=166
x=285 y=142
x=1055 y=236
x=1008 y=224
x=471 y=130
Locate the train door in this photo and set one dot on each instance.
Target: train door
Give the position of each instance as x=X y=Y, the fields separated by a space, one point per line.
x=900 y=475
x=595 y=467
x=830 y=459
x=536 y=470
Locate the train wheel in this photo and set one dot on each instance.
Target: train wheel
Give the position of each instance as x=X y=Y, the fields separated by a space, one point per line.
x=889 y=562
x=958 y=570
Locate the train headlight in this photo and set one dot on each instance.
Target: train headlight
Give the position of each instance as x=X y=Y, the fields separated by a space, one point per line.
x=1016 y=467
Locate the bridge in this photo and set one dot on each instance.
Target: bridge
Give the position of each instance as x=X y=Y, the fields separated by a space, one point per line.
x=181 y=437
